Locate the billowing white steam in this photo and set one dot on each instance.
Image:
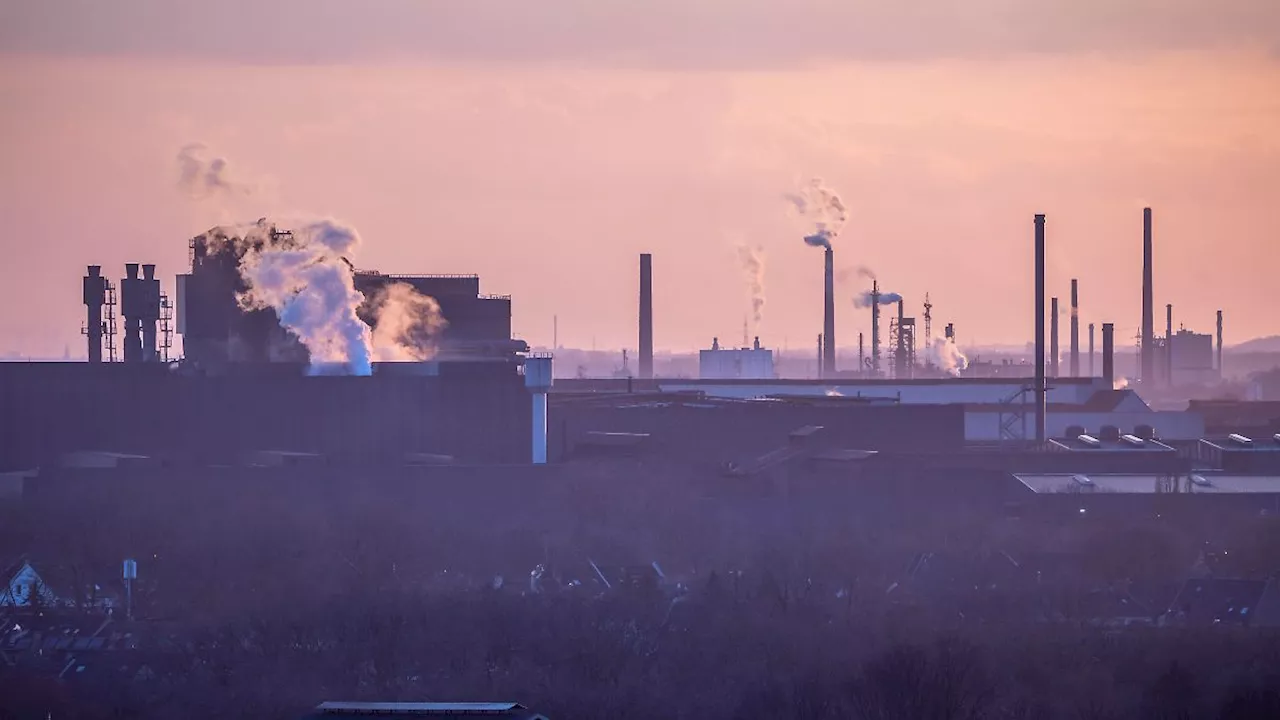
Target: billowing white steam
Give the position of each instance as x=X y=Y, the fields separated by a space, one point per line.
x=311 y=287
x=947 y=357
x=407 y=324
x=821 y=209
x=202 y=175
x=866 y=298
x=752 y=260
x=1120 y=383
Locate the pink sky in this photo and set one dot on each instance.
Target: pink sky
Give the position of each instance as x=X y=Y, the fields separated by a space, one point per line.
x=544 y=145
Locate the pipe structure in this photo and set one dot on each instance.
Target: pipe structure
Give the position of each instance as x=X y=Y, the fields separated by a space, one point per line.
x=875 y=328
x=1053 y=337
x=829 y=314
x=646 y=316
x=1108 y=354
x=95 y=296
x=862 y=358
x=1168 y=345
x=1220 y=344
x=1147 y=350
x=1091 y=369
x=900 y=349
x=1041 y=406
x=1075 y=329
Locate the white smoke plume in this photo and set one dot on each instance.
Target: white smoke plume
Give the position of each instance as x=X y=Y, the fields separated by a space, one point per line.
x=753 y=264
x=310 y=285
x=1120 y=383
x=866 y=298
x=201 y=175
x=821 y=209
x=947 y=357
x=407 y=324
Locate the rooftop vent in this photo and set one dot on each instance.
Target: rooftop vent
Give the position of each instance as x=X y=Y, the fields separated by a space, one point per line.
x=1075 y=431
x=1241 y=440
x=1132 y=440
x=1082 y=480
x=1200 y=481
x=1109 y=433
x=1146 y=432
x=1089 y=440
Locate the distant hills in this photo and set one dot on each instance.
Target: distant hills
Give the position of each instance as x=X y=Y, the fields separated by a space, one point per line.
x=1270 y=344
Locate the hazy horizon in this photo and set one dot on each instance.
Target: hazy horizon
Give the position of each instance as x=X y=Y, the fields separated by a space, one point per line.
x=545 y=148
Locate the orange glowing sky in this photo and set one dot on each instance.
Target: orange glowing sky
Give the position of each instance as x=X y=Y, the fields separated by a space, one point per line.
x=543 y=145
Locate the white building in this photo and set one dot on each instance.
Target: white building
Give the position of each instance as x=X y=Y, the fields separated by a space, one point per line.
x=753 y=363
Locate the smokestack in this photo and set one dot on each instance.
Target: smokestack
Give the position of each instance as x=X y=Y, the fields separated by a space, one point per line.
x=829 y=315
x=131 y=307
x=900 y=348
x=862 y=360
x=1168 y=344
x=875 y=327
x=1039 y=301
x=1075 y=328
x=1220 y=344
x=819 y=362
x=646 y=316
x=1148 y=307
x=1053 y=337
x=1108 y=354
x=150 y=308
x=95 y=295
x=1091 y=372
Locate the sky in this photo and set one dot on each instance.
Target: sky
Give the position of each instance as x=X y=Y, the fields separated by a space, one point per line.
x=544 y=145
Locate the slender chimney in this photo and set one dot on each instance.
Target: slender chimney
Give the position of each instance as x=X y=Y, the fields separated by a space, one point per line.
x=1168 y=345
x=1091 y=368
x=1220 y=375
x=1148 y=308
x=900 y=348
x=829 y=315
x=1075 y=328
x=131 y=303
x=819 y=375
x=1039 y=301
x=875 y=328
x=862 y=360
x=149 y=292
x=95 y=295
x=1053 y=337
x=1108 y=354
x=646 y=315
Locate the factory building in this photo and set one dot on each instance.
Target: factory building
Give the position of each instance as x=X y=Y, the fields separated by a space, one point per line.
x=1192 y=358
x=747 y=363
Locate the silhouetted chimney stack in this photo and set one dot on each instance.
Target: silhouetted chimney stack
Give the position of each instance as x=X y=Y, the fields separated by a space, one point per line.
x=95 y=296
x=646 y=315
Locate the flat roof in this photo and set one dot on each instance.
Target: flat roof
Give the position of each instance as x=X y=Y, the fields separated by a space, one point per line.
x=1078 y=445
x=1049 y=484
x=1260 y=443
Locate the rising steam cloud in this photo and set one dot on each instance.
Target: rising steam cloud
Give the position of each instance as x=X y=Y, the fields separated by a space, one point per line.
x=752 y=260
x=407 y=324
x=310 y=286
x=947 y=357
x=866 y=298
x=202 y=175
x=821 y=209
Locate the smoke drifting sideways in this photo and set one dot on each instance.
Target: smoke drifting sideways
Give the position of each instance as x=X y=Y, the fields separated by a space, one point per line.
x=865 y=299
x=822 y=210
x=947 y=357
x=407 y=324
x=202 y=176
x=752 y=260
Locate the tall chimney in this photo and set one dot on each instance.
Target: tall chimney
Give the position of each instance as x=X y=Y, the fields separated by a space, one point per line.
x=862 y=358
x=819 y=358
x=900 y=349
x=1220 y=375
x=95 y=295
x=1108 y=354
x=131 y=303
x=875 y=328
x=1147 y=350
x=1039 y=301
x=1091 y=369
x=1075 y=328
x=646 y=315
x=829 y=315
x=1053 y=337
x=149 y=292
x=1168 y=345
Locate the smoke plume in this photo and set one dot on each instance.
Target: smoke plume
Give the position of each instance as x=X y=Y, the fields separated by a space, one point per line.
x=407 y=324
x=866 y=298
x=1120 y=383
x=305 y=278
x=202 y=175
x=752 y=260
x=947 y=357
x=821 y=209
